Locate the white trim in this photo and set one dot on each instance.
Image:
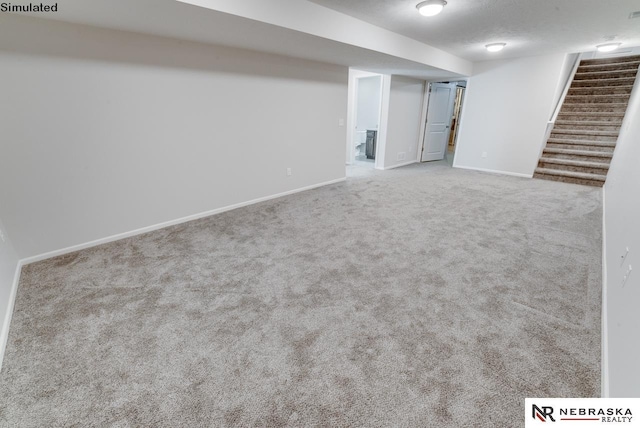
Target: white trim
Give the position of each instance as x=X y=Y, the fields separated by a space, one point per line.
x=604 y=332
x=457 y=134
x=462 y=112
x=423 y=117
x=397 y=166
x=383 y=126
x=146 y=229
x=4 y=334
x=493 y=171
x=379 y=118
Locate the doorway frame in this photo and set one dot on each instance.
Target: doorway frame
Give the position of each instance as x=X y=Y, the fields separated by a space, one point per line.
x=352 y=105
x=425 y=107
x=459 y=117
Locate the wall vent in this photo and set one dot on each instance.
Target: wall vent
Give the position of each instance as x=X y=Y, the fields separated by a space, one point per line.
x=635 y=14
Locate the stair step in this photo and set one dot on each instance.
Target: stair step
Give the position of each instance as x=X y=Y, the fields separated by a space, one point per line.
x=629 y=65
x=591 y=83
x=600 y=115
x=593 y=117
x=572 y=174
x=589 y=133
x=597 y=98
x=605 y=74
x=594 y=108
x=565 y=179
x=609 y=126
x=571 y=162
x=571 y=165
x=579 y=181
x=586 y=123
x=601 y=90
x=586 y=153
x=613 y=60
x=581 y=142
x=586 y=140
x=586 y=148
x=581 y=147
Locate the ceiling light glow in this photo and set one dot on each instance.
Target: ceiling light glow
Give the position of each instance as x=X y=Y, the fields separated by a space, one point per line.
x=608 y=47
x=431 y=7
x=495 y=47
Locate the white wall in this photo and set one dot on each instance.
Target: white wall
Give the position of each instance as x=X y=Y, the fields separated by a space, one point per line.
x=8 y=277
x=103 y=132
x=505 y=113
x=622 y=230
x=404 y=115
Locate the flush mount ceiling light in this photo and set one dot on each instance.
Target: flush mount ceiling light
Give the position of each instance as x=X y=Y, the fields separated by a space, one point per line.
x=495 y=47
x=431 y=7
x=608 y=47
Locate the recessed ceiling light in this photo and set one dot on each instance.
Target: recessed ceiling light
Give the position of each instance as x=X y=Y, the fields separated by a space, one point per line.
x=431 y=7
x=495 y=47
x=608 y=47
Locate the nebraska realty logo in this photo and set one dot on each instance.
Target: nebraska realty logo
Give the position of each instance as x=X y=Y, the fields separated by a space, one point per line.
x=582 y=411
x=28 y=7
x=543 y=414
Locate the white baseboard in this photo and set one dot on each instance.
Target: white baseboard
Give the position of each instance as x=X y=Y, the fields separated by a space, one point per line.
x=4 y=332
x=604 y=332
x=146 y=229
x=398 y=165
x=493 y=171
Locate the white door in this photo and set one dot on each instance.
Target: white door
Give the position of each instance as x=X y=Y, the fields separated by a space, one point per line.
x=439 y=113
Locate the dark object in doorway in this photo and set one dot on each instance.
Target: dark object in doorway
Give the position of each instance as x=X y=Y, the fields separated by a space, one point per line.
x=370 y=149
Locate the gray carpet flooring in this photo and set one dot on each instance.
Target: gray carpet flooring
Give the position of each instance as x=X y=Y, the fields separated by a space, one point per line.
x=420 y=296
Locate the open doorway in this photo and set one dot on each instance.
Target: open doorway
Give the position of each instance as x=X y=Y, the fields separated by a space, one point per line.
x=461 y=87
x=444 y=107
x=365 y=119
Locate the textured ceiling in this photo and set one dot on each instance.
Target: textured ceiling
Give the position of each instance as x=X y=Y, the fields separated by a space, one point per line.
x=529 y=27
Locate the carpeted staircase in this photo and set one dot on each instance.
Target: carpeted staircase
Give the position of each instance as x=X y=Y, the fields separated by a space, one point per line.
x=584 y=136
